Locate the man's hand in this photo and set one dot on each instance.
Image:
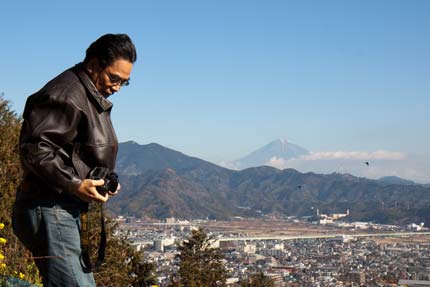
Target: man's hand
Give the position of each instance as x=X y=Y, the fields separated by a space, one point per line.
x=116 y=191
x=87 y=191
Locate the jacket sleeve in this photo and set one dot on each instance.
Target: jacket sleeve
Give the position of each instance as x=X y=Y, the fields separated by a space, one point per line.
x=50 y=126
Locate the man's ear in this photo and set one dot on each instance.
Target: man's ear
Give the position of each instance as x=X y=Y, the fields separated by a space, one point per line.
x=93 y=66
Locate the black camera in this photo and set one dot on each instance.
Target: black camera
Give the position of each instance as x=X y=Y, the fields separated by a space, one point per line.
x=110 y=178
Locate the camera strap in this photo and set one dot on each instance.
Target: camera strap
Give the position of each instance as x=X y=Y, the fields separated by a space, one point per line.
x=85 y=241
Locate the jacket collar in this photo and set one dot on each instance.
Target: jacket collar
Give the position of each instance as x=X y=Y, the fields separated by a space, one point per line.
x=102 y=102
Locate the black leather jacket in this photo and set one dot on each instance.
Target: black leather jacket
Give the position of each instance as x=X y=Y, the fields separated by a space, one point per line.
x=66 y=132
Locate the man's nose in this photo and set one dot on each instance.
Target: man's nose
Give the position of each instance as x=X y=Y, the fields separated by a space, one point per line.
x=116 y=88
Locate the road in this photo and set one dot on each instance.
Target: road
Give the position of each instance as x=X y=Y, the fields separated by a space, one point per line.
x=291 y=237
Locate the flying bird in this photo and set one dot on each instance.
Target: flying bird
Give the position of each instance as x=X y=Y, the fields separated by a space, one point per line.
x=367 y=163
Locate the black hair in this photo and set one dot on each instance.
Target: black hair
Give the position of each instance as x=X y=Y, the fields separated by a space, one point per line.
x=109 y=48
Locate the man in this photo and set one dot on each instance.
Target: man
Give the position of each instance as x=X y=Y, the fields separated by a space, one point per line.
x=66 y=133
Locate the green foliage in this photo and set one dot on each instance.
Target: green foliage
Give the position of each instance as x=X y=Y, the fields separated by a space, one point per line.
x=123 y=265
x=257 y=280
x=10 y=171
x=200 y=265
x=17 y=261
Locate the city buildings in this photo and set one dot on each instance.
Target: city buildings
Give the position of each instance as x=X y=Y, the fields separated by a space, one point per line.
x=383 y=256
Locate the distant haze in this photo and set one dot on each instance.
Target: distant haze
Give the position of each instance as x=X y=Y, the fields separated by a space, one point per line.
x=282 y=154
x=275 y=154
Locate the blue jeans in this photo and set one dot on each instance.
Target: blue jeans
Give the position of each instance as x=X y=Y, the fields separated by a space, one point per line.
x=51 y=233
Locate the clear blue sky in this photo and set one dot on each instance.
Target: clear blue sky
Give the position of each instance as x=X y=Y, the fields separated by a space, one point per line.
x=219 y=79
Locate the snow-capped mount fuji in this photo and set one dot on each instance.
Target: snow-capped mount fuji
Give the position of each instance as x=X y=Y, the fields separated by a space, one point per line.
x=275 y=154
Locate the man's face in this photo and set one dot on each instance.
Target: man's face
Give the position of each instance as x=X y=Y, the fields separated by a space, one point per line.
x=110 y=79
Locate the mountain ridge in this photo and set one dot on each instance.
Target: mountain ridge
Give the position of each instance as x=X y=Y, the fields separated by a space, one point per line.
x=160 y=182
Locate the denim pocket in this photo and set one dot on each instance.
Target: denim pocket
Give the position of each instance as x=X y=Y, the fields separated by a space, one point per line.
x=26 y=224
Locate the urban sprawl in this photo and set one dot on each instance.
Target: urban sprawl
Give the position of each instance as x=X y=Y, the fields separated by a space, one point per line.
x=319 y=251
